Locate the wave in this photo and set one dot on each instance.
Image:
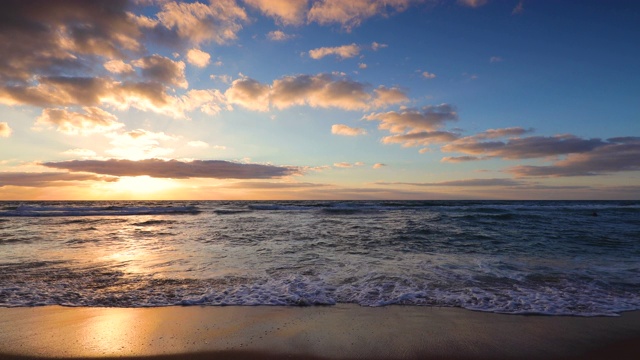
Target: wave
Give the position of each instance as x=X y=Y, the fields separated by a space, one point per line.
x=541 y=295
x=52 y=211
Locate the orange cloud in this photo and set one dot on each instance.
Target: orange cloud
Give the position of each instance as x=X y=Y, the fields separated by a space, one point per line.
x=343 y=52
x=350 y=14
x=286 y=12
x=5 y=130
x=199 y=58
x=340 y=129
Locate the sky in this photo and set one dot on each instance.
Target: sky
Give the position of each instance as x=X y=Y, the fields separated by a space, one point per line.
x=319 y=99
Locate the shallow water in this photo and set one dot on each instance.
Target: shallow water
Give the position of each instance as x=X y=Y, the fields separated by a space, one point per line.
x=543 y=257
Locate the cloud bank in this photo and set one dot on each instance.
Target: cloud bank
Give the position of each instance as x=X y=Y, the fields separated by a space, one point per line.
x=175 y=169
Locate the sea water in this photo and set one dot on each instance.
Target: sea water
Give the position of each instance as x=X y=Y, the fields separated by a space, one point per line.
x=519 y=257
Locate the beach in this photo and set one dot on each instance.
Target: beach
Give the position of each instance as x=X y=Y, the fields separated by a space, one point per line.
x=344 y=331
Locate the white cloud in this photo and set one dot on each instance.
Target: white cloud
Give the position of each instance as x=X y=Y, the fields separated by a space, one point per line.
x=140 y=144
x=340 y=129
x=80 y=153
x=5 y=130
x=210 y=102
x=198 y=144
x=199 y=58
x=378 y=165
x=362 y=65
x=343 y=52
x=495 y=59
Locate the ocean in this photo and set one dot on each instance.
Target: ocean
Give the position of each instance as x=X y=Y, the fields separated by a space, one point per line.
x=578 y=258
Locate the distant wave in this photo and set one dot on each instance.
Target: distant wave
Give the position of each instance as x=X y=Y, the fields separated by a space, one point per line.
x=50 y=211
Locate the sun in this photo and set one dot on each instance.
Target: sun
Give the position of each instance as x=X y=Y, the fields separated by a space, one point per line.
x=143 y=187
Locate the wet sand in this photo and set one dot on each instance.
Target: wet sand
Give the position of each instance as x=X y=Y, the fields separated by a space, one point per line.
x=336 y=332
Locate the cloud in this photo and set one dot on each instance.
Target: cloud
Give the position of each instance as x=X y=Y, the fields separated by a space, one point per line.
x=519 y=9
x=92 y=120
x=615 y=155
x=343 y=52
x=198 y=144
x=378 y=165
x=88 y=91
x=422 y=138
x=465 y=182
x=375 y=46
x=210 y=102
x=340 y=129
x=345 y=165
x=44 y=179
x=249 y=93
x=162 y=69
x=81 y=153
x=473 y=3
x=286 y=12
x=42 y=37
x=362 y=66
x=428 y=118
x=350 y=14
x=385 y=96
x=273 y=185
x=524 y=148
x=118 y=66
x=139 y=144
x=219 y=21
x=459 y=159
x=321 y=90
x=428 y=75
x=176 y=169
x=5 y=130
x=498 y=133
x=223 y=78
x=495 y=59
x=278 y=35
x=198 y=58
x=327 y=90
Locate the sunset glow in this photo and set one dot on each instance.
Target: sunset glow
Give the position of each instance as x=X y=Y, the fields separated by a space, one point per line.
x=320 y=99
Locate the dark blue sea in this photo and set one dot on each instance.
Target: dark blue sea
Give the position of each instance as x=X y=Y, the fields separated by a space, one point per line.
x=519 y=257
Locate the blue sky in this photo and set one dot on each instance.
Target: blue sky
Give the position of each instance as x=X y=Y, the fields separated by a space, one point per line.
x=297 y=99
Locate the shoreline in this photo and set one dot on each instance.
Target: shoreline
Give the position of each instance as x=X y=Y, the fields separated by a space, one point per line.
x=343 y=331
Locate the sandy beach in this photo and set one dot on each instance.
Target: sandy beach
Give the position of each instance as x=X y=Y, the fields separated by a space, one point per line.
x=337 y=332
